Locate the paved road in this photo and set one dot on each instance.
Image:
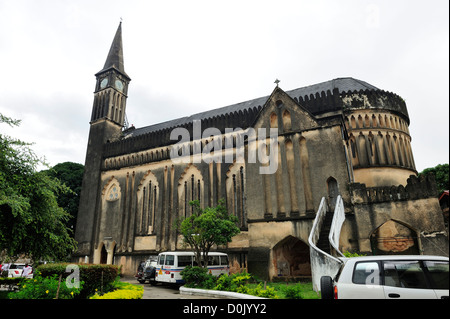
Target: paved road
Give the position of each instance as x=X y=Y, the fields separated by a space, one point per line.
x=160 y=291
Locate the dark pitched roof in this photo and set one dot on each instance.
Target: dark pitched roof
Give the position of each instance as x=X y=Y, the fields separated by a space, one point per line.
x=252 y=106
x=342 y=84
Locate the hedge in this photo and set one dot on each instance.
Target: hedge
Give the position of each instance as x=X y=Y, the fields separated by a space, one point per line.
x=11 y=281
x=95 y=277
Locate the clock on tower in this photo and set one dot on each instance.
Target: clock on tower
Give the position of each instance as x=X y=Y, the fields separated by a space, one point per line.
x=119 y=85
x=104 y=83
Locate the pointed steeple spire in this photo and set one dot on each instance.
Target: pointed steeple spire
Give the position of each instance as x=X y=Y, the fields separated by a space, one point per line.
x=111 y=88
x=115 y=55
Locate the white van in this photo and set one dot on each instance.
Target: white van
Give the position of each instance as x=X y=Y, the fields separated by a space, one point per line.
x=389 y=277
x=171 y=263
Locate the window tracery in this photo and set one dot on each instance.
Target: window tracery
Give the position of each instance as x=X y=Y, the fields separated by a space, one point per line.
x=113 y=193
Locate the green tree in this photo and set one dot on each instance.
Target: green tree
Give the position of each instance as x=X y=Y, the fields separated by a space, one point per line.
x=31 y=222
x=441 y=175
x=206 y=228
x=71 y=175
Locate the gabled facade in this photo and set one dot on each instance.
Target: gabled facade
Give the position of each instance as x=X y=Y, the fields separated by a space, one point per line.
x=272 y=159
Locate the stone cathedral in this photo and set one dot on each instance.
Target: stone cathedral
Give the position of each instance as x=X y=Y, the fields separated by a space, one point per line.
x=341 y=137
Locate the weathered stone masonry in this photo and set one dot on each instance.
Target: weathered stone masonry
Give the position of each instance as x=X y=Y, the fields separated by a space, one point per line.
x=340 y=137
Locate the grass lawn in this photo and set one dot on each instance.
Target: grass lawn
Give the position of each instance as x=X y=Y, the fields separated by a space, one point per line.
x=291 y=290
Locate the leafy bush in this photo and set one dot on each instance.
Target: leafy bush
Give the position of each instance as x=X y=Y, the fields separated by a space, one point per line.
x=45 y=288
x=258 y=291
x=198 y=277
x=224 y=283
x=123 y=290
x=233 y=282
x=269 y=292
x=95 y=277
x=349 y=254
x=293 y=292
x=278 y=290
x=239 y=283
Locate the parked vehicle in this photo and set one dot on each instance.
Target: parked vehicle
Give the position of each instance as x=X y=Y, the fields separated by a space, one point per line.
x=146 y=270
x=16 y=270
x=170 y=265
x=389 y=277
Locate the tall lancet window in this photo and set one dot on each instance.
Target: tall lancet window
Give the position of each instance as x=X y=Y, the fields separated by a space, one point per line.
x=236 y=193
x=148 y=192
x=190 y=187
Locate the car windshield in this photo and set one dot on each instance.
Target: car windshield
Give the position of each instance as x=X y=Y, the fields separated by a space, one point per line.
x=151 y=262
x=17 y=266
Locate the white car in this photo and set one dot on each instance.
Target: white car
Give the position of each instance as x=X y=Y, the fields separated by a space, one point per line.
x=389 y=277
x=15 y=270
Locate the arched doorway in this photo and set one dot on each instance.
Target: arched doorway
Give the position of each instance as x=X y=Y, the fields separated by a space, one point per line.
x=291 y=258
x=333 y=192
x=103 y=255
x=394 y=237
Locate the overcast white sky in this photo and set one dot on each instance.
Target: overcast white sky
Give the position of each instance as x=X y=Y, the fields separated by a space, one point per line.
x=190 y=56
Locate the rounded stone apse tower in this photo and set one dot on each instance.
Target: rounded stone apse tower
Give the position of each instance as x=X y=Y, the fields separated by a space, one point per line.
x=379 y=141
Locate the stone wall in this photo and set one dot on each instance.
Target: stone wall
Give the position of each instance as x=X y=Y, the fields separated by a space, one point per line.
x=414 y=207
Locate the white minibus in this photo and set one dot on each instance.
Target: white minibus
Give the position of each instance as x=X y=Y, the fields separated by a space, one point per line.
x=171 y=263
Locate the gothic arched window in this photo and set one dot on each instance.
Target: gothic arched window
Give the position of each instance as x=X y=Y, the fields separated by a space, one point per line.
x=148 y=192
x=236 y=194
x=190 y=187
x=113 y=193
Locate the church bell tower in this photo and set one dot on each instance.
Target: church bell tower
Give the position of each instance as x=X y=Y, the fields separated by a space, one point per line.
x=112 y=85
x=107 y=121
